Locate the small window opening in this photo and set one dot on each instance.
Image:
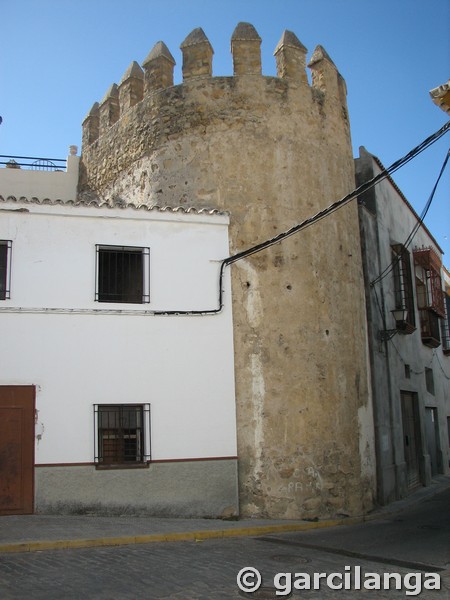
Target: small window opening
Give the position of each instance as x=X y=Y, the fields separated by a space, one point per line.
x=5 y=269
x=429 y=380
x=123 y=274
x=122 y=433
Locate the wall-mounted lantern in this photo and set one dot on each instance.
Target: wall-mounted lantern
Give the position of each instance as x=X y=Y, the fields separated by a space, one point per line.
x=400 y=315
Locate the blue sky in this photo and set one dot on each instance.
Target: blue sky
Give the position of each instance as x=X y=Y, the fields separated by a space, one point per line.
x=59 y=57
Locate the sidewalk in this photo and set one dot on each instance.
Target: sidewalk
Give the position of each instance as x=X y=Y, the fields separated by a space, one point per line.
x=27 y=533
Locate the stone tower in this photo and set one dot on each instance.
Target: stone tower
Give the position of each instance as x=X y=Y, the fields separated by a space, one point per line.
x=271 y=151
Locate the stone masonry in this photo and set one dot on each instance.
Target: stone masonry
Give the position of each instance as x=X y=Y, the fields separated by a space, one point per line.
x=271 y=151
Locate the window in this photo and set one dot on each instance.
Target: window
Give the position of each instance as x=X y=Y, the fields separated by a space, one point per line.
x=429 y=380
x=403 y=287
x=5 y=269
x=122 y=434
x=123 y=274
x=430 y=296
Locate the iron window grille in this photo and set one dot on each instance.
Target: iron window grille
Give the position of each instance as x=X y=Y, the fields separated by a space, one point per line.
x=430 y=296
x=403 y=287
x=5 y=269
x=122 y=274
x=122 y=434
x=429 y=328
x=428 y=267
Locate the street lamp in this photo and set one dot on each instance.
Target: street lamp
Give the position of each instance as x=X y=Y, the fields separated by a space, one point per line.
x=400 y=315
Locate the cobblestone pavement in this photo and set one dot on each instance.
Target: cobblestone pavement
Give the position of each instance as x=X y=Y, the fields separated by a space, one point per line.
x=413 y=541
x=418 y=536
x=180 y=570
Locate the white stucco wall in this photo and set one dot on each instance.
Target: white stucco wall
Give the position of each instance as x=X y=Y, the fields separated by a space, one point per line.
x=28 y=183
x=79 y=352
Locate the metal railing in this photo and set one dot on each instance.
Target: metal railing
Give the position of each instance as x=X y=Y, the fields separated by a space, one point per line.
x=33 y=163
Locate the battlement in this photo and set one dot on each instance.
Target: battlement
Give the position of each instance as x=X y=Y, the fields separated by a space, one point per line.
x=156 y=73
x=209 y=140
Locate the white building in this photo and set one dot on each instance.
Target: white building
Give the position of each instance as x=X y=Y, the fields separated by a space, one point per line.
x=116 y=351
x=408 y=337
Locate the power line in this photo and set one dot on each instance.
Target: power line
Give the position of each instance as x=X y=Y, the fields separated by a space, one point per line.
x=312 y=220
x=416 y=227
x=304 y=224
x=284 y=235
x=340 y=203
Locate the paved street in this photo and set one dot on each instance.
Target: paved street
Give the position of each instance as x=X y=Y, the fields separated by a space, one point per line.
x=419 y=536
x=416 y=540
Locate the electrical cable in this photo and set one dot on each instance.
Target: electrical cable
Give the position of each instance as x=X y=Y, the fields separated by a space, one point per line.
x=392 y=343
x=392 y=265
x=340 y=203
x=314 y=219
x=284 y=235
x=416 y=227
x=435 y=355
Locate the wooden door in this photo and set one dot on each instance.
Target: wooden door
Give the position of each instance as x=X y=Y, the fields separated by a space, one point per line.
x=17 y=405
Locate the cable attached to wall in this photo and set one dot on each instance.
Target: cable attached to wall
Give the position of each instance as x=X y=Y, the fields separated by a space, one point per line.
x=263 y=245
x=335 y=206
x=396 y=261
x=416 y=227
x=340 y=203
x=315 y=218
x=310 y=221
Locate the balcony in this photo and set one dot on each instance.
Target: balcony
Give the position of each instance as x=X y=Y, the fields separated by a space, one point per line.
x=429 y=328
x=39 y=178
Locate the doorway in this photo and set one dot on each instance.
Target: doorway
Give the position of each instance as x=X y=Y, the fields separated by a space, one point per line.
x=411 y=438
x=17 y=404
x=432 y=431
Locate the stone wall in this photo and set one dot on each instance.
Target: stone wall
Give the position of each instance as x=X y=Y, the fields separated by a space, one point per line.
x=271 y=151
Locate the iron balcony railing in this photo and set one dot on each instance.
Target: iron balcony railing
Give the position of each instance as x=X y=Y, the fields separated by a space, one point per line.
x=33 y=163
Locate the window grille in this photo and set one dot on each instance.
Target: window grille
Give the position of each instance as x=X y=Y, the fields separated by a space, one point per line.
x=122 y=274
x=5 y=269
x=430 y=296
x=122 y=434
x=428 y=268
x=429 y=328
x=403 y=287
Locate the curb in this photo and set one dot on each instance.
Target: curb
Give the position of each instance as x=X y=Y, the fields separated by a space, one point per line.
x=199 y=536
x=196 y=536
